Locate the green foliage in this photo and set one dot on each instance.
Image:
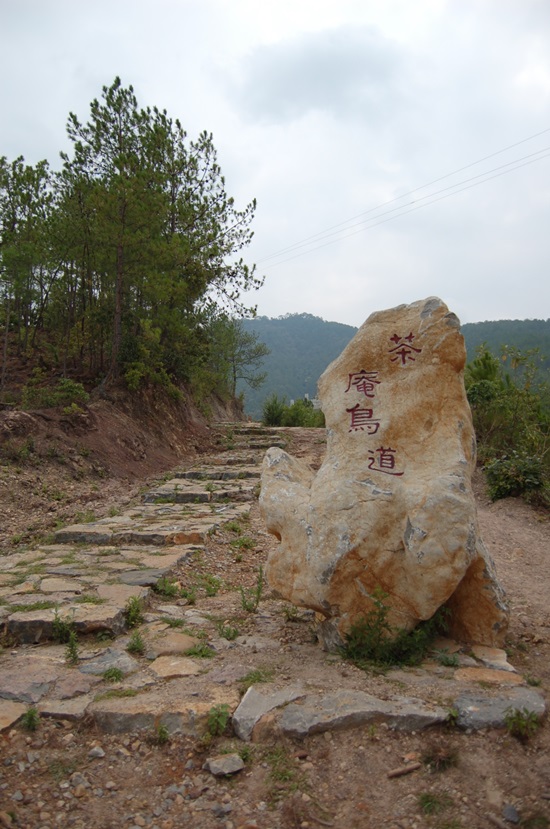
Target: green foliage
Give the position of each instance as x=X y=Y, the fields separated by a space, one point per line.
x=61 y=628
x=161 y=734
x=511 y=415
x=251 y=596
x=273 y=411
x=373 y=641
x=113 y=675
x=277 y=412
x=71 y=651
x=31 y=719
x=515 y=474
x=201 y=650
x=134 y=611
x=521 y=723
x=218 y=720
x=432 y=804
x=302 y=413
x=189 y=593
x=536 y=821
x=449 y=660
x=301 y=347
x=66 y=393
x=228 y=631
x=136 y=644
x=166 y=587
x=244 y=542
x=255 y=676
x=127 y=262
x=210 y=584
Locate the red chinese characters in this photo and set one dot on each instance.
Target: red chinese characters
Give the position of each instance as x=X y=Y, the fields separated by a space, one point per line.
x=362 y=420
x=403 y=349
x=383 y=460
x=364 y=382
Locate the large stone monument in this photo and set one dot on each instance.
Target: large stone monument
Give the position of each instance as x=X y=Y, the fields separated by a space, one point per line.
x=392 y=505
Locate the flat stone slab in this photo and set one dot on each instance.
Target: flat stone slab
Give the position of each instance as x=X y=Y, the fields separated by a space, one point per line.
x=120 y=593
x=56 y=585
x=168 y=643
x=477 y=711
x=74 y=684
x=33 y=626
x=495 y=677
x=221 y=473
x=348 y=709
x=27 y=680
x=110 y=658
x=65 y=709
x=174 y=707
x=10 y=713
x=142 y=578
x=169 y=667
x=255 y=704
x=492 y=658
x=183 y=491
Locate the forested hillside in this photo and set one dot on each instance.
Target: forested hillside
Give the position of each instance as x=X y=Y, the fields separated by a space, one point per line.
x=521 y=334
x=303 y=345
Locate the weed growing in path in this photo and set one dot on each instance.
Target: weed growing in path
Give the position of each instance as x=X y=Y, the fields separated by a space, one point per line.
x=168 y=588
x=521 y=723
x=134 y=612
x=201 y=650
x=251 y=597
x=31 y=719
x=432 y=804
x=113 y=675
x=71 y=651
x=136 y=644
x=161 y=735
x=218 y=720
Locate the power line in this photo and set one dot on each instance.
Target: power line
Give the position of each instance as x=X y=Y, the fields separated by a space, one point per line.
x=340 y=228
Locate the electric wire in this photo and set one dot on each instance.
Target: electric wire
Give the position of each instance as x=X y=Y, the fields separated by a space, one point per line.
x=405 y=212
x=339 y=230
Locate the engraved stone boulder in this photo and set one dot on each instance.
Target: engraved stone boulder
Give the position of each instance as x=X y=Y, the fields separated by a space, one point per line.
x=392 y=505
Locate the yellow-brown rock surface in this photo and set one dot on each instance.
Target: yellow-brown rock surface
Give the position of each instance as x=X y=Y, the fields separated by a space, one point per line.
x=392 y=504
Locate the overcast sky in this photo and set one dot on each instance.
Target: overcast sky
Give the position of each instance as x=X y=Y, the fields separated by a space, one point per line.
x=345 y=119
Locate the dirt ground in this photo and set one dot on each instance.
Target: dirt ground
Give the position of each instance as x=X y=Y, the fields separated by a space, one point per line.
x=71 y=775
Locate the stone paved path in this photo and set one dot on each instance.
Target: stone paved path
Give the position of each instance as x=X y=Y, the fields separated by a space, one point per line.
x=91 y=575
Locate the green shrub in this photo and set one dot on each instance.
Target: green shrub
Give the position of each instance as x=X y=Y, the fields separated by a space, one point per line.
x=134 y=611
x=31 y=719
x=373 y=641
x=515 y=474
x=136 y=643
x=302 y=413
x=218 y=719
x=66 y=393
x=251 y=597
x=276 y=412
x=521 y=723
x=511 y=416
x=273 y=411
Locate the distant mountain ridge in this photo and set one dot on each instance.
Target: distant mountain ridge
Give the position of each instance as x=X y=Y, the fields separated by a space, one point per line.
x=303 y=345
